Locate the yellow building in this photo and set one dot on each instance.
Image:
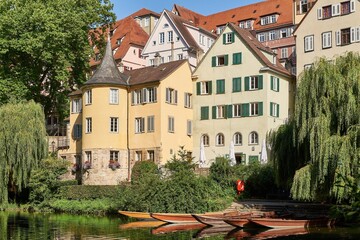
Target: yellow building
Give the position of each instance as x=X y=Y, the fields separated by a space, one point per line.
x=118 y=118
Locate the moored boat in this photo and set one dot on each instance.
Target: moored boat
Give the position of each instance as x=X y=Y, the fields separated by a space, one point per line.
x=237 y=222
x=138 y=215
x=219 y=220
x=180 y=217
x=290 y=223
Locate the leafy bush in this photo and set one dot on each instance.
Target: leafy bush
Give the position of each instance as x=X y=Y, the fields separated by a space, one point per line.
x=261 y=182
x=222 y=172
x=98 y=206
x=44 y=181
x=144 y=171
x=87 y=192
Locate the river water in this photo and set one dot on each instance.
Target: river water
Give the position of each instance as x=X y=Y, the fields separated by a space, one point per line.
x=23 y=226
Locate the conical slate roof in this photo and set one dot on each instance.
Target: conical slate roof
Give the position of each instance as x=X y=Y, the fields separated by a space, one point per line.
x=108 y=73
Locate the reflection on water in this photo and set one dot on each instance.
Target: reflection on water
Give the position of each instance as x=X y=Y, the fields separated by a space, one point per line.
x=19 y=226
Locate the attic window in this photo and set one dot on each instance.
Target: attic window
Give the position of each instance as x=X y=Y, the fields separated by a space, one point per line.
x=277 y=6
x=112 y=32
x=119 y=40
x=254 y=11
x=233 y=16
x=205 y=22
x=166 y=25
x=115 y=50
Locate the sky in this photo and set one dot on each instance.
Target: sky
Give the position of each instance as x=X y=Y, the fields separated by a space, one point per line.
x=124 y=8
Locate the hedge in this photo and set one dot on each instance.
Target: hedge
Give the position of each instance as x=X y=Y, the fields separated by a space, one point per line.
x=77 y=192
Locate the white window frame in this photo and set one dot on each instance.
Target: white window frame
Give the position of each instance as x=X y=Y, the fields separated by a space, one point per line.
x=326 y=40
x=205 y=140
x=180 y=56
x=88 y=156
x=220 y=111
x=151 y=123
x=309 y=43
x=237 y=139
x=114 y=155
x=150 y=155
x=170 y=36
x=161 y=38
x=335 y=9
x=253 y=82
x=236 y=111
x=189 y=127
x=202 y=39
x=272 y=35
x=187 y=100
x=254 y=109
x=114 y=96
x=139 y=125
x=274 y=112
x=171 y=124
x=138 y=155
x=261 y=37
x=88 y=97
x=275 y=86
x=171 y=96
x=146 y=21
x=88 y=128
x=228 y=38
x=253 y=138
x=204 y=87
x=220 y=139
x=76 y=105
x=284 y=52
x=114 y=124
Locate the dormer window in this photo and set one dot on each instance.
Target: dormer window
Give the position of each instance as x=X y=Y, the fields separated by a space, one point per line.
x=219 y=29
x=269 y=19
x=247 y=24
x=166 y=25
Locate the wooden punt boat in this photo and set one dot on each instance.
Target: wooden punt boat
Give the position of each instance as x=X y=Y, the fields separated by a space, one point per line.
x=237 y=222
x=290 y=223
x=169 y=228
x=180 y=217
x=138 y=215
x=141 y=224
x=219 y=221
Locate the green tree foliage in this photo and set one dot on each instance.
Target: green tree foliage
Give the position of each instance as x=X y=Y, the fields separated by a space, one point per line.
x=44 y=47
x=144 y=172
x=45 y=180
x=325 y=138
x=22 y=144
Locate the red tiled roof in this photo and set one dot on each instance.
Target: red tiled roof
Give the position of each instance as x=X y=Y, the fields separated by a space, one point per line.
x=132 y=34
x=252 y=11
x=144 y=12
x=153 y=74
x=188 y=14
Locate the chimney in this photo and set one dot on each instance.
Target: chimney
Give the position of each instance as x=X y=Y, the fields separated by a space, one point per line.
x=121 y=67
x=157 y=60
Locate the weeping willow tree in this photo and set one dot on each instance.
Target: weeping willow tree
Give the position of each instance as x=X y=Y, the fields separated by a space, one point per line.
x=22 y=144
x=320 y=145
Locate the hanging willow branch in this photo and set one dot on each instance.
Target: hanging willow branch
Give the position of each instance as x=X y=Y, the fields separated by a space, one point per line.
x=22 y=144
x=326 y=129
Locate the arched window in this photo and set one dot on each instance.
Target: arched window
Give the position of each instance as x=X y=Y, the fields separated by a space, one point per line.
x=220 y=139
x=237 y=139
x=205 y=140
x=253 y=138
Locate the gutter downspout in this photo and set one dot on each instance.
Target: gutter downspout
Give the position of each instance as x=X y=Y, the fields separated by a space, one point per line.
x=127 y=131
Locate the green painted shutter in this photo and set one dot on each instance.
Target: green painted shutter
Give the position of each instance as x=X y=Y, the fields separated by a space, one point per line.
x=260 y=81
x=213 y=62
x=210 y=87
x=225 y=111
x=247 y=82
x=214 y=112
x=226 y=58
x=234 y=58
x=204 y=113
x=278 y=84
x=232 y=37
x=198 y=88
x=245 y=109
x=224 y=38
x=260 y=108
x=240 y=58
x=229 y=111
x=278 y=110
x=271 y=108
x=220 y=86
x=217 y=86
x=236 y=84
x=272 y=82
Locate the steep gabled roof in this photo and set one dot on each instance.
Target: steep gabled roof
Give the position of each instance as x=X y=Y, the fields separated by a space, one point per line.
x=144 y=12
x=152 y=73
x=130 y=32
x=187 y=14
x=257 y=48
x=108 y=73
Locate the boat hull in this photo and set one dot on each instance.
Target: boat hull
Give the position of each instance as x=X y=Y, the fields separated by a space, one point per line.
x=138 y=215
x=290 y=223
x=219 y=221
x=179 y=217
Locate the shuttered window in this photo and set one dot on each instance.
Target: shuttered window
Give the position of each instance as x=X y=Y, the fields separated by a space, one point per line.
x=220 y=86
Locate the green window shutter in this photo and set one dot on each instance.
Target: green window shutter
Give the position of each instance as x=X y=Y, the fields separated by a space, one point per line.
x=236 y=58
x=204 y=113
x=245 y=109
x=198 y=88
x=232 y=37
x=278 y=84
x=240 y=58
x=247 y=82
x=225 y=111
x=278 y=110
x=272 y=82
x=226 y=58
x=213 y=62
x=237 y=84
x=260 y=81
x=271 y=108
x=214 y=112
x=210 y=87
x=224 y=38
x=220 y=86
x=260 y=108
x=229 y=111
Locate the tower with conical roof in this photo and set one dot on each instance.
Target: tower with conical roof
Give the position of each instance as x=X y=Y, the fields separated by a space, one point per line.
x=105 y=141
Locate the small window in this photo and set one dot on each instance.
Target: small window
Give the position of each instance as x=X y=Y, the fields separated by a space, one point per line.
x=187 y=100
x=326 y=12
x=189 y=127
x=219 y=111
x=161 y=38
x=345 y=8
x=114 y=156
x=171 y=124
x=228 y=38
x=309 y=43
x=236 y=84
x=237 y=139
x=138 y=155
x=274 y=109
x=261 y=37
x=180 y=56
x=254 y=109
x=88 y=125
x=221 y=60
x=220 y=86
x=205 y=140
x=114 y=124
x=204 y=88
x=170 y=36
x=88 y=97
x=326 y=40
x=171 y=96
x=151 y=155
x=139 y=125
x=114 y=96
x=151 y=123
x=254 y=83
x=272 y=35
x=253 y=138
x=88 y=156
x=284 y=53
x=77 y=131
x=236 y=111
x=146 y=21
x=274 y=83
x=204 y=113
x=76 y=105
x=220 y=139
